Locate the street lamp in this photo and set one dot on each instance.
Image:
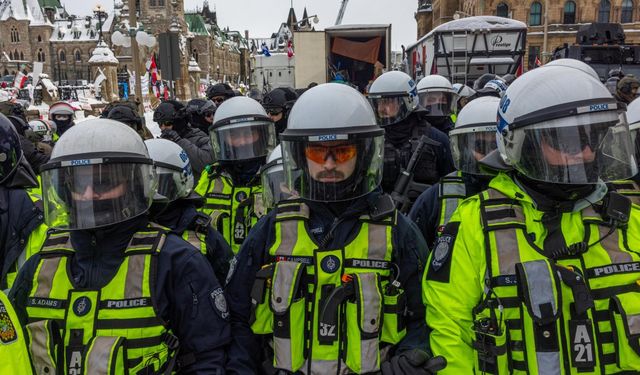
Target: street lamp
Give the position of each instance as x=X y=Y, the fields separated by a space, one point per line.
x=313 y=18
x=218 y=71
x=460 y=14
x=100 y=12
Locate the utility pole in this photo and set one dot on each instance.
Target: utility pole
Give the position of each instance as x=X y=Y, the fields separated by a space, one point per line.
x=545 y=53
x=135 y=53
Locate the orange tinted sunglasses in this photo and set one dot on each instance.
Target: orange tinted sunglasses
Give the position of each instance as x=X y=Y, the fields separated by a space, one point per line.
x=340 y=153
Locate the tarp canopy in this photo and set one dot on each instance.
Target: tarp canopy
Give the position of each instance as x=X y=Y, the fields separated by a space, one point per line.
x=362 y=51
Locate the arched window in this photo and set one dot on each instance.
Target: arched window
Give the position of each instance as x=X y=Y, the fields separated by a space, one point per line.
x=502 y=10
x=63 y=56
x=10 y=56
x=535 y=14
x=604 y=11
x=195 y=54
x=160 y=3
x=626 y=11
x=15 y=36
x=39 y=39
x=21 y=56
x=569 y=12
x=77 y=55
x=40 y=55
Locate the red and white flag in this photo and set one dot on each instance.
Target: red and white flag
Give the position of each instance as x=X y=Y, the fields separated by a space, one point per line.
x=153 y=69
x=20 y=80
x=538 y=62
x=290 y=49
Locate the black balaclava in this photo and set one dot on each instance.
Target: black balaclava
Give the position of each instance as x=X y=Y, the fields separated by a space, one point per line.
x=548 y=195
x=243 y=172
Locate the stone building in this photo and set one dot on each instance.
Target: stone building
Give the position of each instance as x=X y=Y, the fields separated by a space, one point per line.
x=564 y=17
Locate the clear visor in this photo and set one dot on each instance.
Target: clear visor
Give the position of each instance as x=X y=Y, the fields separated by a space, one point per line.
x=333 y=171
x=242 y=141
x=578 y=154
x=274 y=187
x=94 y=196
x=391 y=110
x=438 y=103
x=174 y=184
x=470 y=145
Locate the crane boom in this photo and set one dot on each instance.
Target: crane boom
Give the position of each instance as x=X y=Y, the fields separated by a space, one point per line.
x=343 y=7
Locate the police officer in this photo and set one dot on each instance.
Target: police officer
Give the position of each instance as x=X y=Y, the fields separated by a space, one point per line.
x=473 y=138
x=242 y=135
x=436 y=95
x=219 y=92
x=394 y=99
x=533 y=275
x=172 y=118
x=126 y=114
x=576 y=64
x=13 y=347
x=17 y=117
x=278 y=103
x=62 y=113
x=177 y=207
x=21 y=219
x=627 y=89
x=323 y=281
x=464 y=94
x=274 y=188
x=113 y=292
x=200 y=112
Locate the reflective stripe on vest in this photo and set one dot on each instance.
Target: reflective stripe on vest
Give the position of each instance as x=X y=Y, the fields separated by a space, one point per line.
x=192 y=237
x=314 y=348
x=121 y=309
x=575 y=341
x=226 y=206
x=452 y=191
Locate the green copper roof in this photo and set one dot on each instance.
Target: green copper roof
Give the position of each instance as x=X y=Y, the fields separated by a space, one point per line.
x=196 y=24
x=50 y=3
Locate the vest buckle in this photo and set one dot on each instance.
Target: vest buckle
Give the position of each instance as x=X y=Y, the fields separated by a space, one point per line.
x=171 y=341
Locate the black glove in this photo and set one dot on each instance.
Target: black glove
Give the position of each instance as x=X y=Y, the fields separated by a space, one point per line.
x=413 y=362
x=170 y=134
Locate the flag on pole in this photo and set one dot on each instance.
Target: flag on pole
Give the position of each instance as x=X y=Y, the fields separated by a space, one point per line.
x=290 y=49
x=19 y=80
x=153 y=69
x=538 y=62
x=265 y=50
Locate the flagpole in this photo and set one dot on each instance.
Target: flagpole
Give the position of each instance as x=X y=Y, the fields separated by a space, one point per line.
x=135 y=55
x=545 y=54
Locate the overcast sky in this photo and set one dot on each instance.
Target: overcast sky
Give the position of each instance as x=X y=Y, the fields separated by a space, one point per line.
x=263 y=17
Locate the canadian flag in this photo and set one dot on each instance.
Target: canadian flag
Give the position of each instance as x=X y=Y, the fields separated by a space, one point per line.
x=20 y=80
x=153 y=69
x=166 y=93
x=538 y=62
x=290 y=49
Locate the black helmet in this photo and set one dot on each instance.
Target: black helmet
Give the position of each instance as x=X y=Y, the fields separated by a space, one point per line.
x=126 y=115
x=220 y=89
x=508 y=78
x=198 y=110
x=280 y=98
x=171 y=111
x=12 y=109
x=482 y=80
x=10 y=149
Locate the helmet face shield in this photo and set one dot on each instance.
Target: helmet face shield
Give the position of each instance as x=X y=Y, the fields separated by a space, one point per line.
x=438 y=103
x=242 y=141
x=391 y=110
x=98 y=195
x=274 y=188
x=471 y=144
x=336 y=170
x=574 y=154
x=174 y=184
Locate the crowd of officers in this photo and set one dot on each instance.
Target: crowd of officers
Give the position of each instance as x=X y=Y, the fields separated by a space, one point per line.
x=426 y=228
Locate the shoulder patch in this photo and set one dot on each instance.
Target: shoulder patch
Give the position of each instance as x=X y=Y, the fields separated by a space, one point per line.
x=8 y=332
x=440 y=261
x=220 y=303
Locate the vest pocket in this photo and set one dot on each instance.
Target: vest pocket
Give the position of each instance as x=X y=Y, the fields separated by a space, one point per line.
x=105 y=355
x=45 y=346
x=625 y=322
x=491 y=346
x=288 y=302
x=363 y=320
x=261 y=319
x=394 y=325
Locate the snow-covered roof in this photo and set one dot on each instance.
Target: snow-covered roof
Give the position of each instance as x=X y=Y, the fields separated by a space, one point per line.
x=103 y=54
x=79 y=29
x=193 y=66
x=473 y=24
x=23 y=10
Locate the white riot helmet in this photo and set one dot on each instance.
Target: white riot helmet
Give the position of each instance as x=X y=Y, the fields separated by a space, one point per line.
x=437 y=96
x=474 y=135
x=576 y=64
x=633 y=116
x=393 y=97
x=241 y=130
x=99 y=174
x=332 y=131
x=274 y=188
x=175 y=177
x=560 y=125
x=43 y=129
